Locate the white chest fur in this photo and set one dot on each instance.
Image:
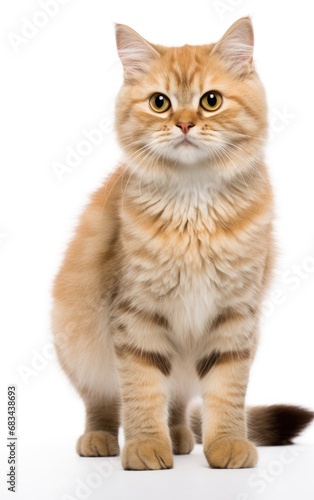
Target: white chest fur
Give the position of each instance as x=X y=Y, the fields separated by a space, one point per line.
x=180 y=270
x=189 y=269
x=191 y=304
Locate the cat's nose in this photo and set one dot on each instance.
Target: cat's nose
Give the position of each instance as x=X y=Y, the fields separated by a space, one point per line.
x=185 y=126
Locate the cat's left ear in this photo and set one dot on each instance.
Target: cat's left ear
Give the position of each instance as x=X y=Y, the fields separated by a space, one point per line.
x=236 y=47
x=135 y=52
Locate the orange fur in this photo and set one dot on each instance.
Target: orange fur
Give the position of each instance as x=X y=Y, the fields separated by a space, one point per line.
x=159 y=295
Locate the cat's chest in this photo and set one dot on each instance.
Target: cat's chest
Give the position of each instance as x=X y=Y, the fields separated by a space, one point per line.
x=177 y=238
x=179 y=263
x=193 y=301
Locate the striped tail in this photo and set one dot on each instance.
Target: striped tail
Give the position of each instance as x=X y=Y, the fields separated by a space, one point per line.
x=267 y=425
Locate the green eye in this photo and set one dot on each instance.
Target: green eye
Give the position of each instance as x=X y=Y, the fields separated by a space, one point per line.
x=159 y=103
x=211 y=101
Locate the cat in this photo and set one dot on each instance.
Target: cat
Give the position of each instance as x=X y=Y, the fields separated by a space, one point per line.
x=159 y=297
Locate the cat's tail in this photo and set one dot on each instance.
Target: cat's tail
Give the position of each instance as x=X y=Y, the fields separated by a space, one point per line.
x=267 y=425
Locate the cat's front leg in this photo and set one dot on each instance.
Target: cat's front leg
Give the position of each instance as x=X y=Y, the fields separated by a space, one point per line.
x=144 y=409
x=224 y=377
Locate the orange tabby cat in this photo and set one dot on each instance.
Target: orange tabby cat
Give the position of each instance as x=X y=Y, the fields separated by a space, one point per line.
x=160 y=292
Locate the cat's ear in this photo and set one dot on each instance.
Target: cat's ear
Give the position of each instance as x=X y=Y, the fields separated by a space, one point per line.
x=135 y=52
x=236 y=47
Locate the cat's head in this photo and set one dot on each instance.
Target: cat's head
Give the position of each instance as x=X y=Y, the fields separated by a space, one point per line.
x=191 y=107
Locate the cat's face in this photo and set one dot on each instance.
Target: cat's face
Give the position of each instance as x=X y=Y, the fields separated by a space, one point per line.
x=193 y=106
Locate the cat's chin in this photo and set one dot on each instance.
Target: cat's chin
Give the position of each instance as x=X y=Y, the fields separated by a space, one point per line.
x=185 y=143
x=183 y=151
x=188 y=154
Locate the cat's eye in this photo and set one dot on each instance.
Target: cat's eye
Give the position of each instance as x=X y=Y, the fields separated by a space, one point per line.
x=211 y=100
x=159 y=103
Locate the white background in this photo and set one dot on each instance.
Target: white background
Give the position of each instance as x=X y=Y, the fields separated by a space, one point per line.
x=62 y=82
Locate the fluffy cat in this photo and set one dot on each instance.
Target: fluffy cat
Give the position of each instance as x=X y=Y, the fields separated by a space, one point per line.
x=159 y=296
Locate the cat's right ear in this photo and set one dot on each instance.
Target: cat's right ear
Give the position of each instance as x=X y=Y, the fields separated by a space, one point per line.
x=135 y=52
x=236 y=47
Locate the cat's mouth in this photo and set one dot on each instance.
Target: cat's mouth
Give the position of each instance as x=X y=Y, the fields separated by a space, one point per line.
x=185 y=142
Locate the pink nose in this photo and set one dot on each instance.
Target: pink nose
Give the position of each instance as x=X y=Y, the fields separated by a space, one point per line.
x=185 y=126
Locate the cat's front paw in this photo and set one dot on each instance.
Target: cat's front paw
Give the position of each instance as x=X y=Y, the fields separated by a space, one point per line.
x=226 y=453
x=182 y=439
x=97 y=444
x=149 y=454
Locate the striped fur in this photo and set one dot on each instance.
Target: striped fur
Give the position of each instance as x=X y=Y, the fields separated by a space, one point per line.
x=275 y=425
x=159 y=295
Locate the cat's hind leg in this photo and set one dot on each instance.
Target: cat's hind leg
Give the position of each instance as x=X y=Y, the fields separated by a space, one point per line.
x=102 y=426
x=182 y=437
x=87 y=356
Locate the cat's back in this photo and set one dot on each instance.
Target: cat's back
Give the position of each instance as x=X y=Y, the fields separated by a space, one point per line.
x=93 y=241
x=82 y=288
x=84 y=280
